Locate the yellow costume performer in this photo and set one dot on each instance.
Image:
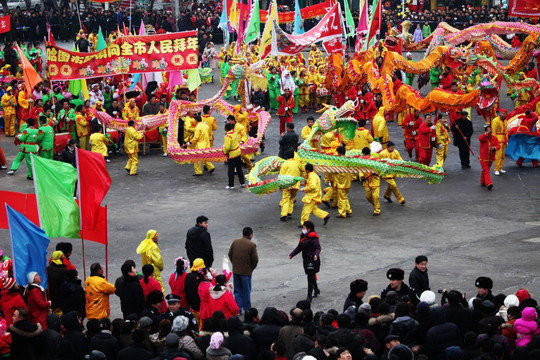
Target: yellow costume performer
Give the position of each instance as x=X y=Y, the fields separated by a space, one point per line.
x=131 y=148
x=443 y=140
x=150 y=253
x=201 y=140
x=290 y=167
x=372 y=184
x=99 y=144
x=392 y=154
x=130 y=111
x=500 y=130
x=82 y=131
x=212 y=126
x=380 y=130
x=8 y=104
x=313 y=197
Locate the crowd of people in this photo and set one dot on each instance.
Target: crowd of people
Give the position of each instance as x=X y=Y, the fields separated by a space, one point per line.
x=199 y=314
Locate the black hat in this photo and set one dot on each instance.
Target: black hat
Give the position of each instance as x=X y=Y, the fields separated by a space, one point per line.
x=395 y=274
x=484 y=283
x=390 y=338
x=95 y=355
x=171 y=298
x=358 y=286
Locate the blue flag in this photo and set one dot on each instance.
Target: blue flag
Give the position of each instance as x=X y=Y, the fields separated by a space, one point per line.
x=29 y=247
x=223 y=24
x=298 y=22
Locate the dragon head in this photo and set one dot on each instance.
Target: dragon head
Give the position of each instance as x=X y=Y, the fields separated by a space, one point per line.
x=489 y=93
x=338 y=118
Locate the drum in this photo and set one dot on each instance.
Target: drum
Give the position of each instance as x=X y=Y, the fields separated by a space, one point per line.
x=322 y=92
x=114 y=135
x=151 y=136
x=61 y=141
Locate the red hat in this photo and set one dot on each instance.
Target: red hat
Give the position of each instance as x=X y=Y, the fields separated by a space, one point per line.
x=522 y=294
x=8 y=283
x=504 y=111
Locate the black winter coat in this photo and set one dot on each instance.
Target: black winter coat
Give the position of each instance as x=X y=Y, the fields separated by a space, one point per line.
x=404 y=290
x=191 y=287
x=56 y=275
x=419 y=281
x=134 y=352
x=460 y=316
x=131 y=296
x=289 y=140
x=439 y=337
x=199 y=245
x=73 y=297
x=309 y=246
x=106 y=343
x=406 y=329
x=268 y=332
x=466 y=128
x=26 y=340
x=241 y=344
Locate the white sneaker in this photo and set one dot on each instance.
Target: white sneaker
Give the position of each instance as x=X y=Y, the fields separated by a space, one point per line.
x=3 y=167
x=243 y=185
x=107 y=160
x=497 y=173
x=164 y=155
x=11 y=172
x=502 y=171
x=229 y=187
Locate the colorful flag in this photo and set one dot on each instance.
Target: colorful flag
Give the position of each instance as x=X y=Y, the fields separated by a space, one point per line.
x=253 y=28
x=101 y=43
x=5 y=24
x=28 y=246
x=137 y=77
x=94 y=182
x=233 y=15
x=266 y=40
x=298 y=22
x=223 y=25
x=524 y=8
x=362 y=18
x=375 y=23
x=350 y=28
x=55 y=185
x=193 y=79
x=30 y=75
x=240 y=28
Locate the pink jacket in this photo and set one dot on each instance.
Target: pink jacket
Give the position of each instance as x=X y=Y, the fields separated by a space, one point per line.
x=204 y=295
x=526 y=327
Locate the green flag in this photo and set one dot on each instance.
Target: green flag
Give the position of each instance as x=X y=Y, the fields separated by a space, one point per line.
x=55 y=185
x=349 y=20
x=193 y=79
x=254 y=26
x=101 y=44
x=75 y=85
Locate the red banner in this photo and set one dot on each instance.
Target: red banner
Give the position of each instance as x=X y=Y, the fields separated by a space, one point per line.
x=5 y=24
x=307 y=13
x=333 y=46
x=524 y=8
x=127 y=55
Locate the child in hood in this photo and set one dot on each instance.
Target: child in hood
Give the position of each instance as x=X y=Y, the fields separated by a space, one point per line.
x=526 y=327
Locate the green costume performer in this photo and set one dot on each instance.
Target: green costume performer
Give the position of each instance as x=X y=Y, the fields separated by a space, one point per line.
x=434 y=77
x=29 y=138
x=46 y=131
x=67 y=122
x=296 y=94
x=273 y=90
x=224 y=71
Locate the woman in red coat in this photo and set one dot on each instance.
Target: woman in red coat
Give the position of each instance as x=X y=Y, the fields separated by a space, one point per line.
x=149 y=284
x=222 y=299
x=10 y=299
x=178 y=280
x=204 y=295
x=38 y=305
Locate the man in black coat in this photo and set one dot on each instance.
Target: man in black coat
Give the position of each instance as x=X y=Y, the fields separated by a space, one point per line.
x=104 y=341
x=462 y=129
x=289 y=140
x=396 y=277
x=418 y=278
x=73 y=296
x=135 y=350
x=199 y=243
x=26 y=338
x=130 y=291
x=237 y=342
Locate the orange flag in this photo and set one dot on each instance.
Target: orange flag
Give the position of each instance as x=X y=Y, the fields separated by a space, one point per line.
x=31 y=77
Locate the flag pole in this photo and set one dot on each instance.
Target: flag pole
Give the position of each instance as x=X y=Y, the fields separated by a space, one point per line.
x=106 y=247
x=83 y=260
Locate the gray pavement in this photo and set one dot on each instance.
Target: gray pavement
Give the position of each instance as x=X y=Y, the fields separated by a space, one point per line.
x=465 y=230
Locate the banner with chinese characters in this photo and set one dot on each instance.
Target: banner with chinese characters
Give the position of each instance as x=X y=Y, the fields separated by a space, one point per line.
x=524 y=8
x=126 y=55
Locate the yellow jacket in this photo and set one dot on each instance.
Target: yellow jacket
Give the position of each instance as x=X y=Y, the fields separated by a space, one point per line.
x=362 y=139
x=312 y=189
x=9 y=109
x=131 y=140
x=99 y=143
x=342 y=180
x=329 y=143
x=442 y=134
x=306 y=131
x=151 y=254
x=82 y=125
x=97 y=291
x=500 y=129
x=212 y=125
x=241 y=131
x=291 y=167
x=200 y=138
x=242 y=118
x=380 y=130
x=371 y=181
x=394 y=155
x=231 y=145
x=22 y=99
x=189 y=128
x=130 y=114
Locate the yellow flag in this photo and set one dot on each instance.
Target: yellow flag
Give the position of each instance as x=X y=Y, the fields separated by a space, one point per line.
x=233 y=15
x=266 y=39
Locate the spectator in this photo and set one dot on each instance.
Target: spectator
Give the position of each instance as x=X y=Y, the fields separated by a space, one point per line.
x=98 y=291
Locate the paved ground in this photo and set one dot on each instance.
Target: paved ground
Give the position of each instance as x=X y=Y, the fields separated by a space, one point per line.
x=465 y=230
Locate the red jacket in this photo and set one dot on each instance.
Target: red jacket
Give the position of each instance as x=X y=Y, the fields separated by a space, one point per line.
x=152 y=285
x=529 y=121
x=372 y=110
x=532 y=74
x=424 y=136
x=283 y=103
x=223 y=300
x=38 y=306
x=486 y=154
x=446 y=82
x=177 y=288
x=407 y=128
x=9 y=302
x=204 y=295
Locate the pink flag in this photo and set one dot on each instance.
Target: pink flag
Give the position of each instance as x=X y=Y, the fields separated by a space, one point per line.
x=363 y=21
x=240 y=39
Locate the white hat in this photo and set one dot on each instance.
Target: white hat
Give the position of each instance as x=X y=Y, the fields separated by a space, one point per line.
x=428 y=297
x=30 y=277
x=511 y=300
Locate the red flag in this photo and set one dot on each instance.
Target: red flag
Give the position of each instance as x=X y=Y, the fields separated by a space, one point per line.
x=99 y=234
x=376 y=22
x=94 y=182
x=524 y=8
x=5 y=24
x=24 y=203
x=31 y=77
